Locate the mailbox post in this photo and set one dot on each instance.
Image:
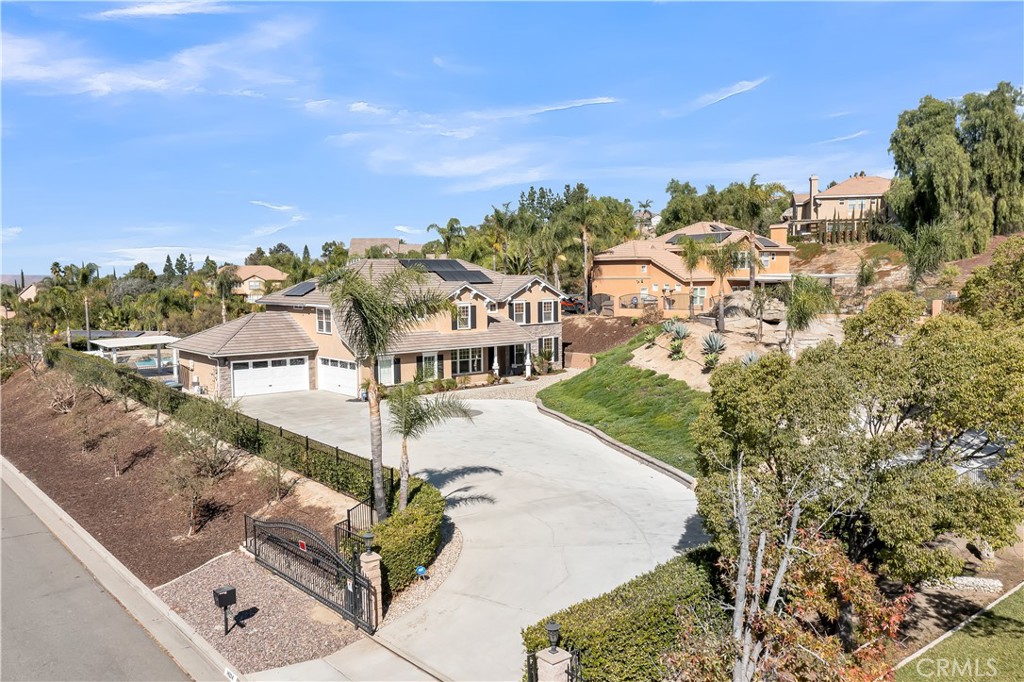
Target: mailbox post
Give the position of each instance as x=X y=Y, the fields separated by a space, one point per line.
x=224 y=597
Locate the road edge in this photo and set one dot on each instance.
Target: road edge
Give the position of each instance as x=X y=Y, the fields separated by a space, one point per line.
x=642 y=457
x=193 y=654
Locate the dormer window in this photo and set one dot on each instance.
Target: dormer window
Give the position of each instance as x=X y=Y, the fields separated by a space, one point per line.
x=519 y=312
x=465 y=316
x=323 y=321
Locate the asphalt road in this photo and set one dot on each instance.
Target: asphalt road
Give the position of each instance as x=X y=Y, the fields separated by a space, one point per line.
x=57 y=622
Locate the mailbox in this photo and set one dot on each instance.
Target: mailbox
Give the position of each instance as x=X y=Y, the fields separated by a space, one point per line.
x=224 y=597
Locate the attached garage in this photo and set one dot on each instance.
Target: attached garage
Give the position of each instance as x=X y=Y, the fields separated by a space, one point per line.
x=337 y=376
x=269 y=375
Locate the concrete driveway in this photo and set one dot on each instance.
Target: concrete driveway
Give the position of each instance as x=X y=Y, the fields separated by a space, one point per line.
x=549 y=516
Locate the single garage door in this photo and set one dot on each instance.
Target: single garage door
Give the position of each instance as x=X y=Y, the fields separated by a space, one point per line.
x=337 y=376
x=276 y=375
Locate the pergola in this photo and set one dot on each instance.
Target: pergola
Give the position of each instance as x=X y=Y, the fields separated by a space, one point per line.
x=113 y=345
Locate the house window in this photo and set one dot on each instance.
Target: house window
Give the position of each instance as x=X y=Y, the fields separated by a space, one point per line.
x=519 y=311
x=468 y=361
x=492 y=307
x=654 y=287
x=679 y=287
x=699 y=294
x=386 y=369
x=323 y=321
x=465 y=314
x=254 y=285
x=252 y=298
x=856 y=207
x=742 y=260
x=428 y=369
x=643 y=268
x=550 y=344
x=766 y=259
x=519 y=354
x=547 y=311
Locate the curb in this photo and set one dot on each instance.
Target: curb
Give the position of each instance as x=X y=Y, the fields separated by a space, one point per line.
x=411 y=660
x=642 y=457
x=950 y=633
x=194 y=655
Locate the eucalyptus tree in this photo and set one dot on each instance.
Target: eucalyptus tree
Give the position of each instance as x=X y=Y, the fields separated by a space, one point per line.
x=412 y=415
x=373 y=314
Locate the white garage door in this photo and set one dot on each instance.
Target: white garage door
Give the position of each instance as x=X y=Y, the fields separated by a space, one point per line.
x=275 y=375
x=337 y=376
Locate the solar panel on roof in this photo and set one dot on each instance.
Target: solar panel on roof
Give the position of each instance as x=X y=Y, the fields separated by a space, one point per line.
x=477 y=277
x=301 y=289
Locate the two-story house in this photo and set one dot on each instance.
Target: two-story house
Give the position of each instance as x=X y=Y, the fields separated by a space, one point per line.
x=297 y=344
x=854 y=199
x=254 y=281
x=641 y=274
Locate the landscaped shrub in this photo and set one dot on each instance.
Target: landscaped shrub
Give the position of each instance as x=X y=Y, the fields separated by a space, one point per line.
x=713 y=343
x=409 y=538
x=622 y=633
x=679 y=331
x=648 y=336
x=675 y=350
x=711 y=361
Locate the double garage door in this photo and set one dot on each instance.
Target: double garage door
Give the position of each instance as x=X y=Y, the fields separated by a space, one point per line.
x=337 y=376
x=270 y=375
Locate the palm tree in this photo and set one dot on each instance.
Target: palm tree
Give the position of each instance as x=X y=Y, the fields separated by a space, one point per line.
x=412 y=415
x=373 y=315
x=526 y=228
x=553 y=240
x=808 y=298
x=226 y=280
x=721 y=261
x=926 y=249
x=584 y=216
x=450 y=235
x=500 y=228
x=691 y=252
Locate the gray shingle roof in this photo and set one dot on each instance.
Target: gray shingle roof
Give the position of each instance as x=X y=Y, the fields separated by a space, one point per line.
x=254 y=334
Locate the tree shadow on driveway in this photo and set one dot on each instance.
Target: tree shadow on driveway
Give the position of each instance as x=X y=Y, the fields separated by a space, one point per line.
x=693 y=535
x=441 y=477
x=461 y=497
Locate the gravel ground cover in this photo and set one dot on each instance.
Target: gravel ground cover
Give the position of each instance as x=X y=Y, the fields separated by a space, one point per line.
x=518 y=388
x=417 y=593
x=277 y=624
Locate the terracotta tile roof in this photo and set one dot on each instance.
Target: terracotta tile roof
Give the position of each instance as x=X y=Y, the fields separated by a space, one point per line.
x=360 y=245
x=254 y=334
x=264 y=272
x=500 y=331
x=704 y=227
x=800 y=198
x=867 y=186
x=655 y=252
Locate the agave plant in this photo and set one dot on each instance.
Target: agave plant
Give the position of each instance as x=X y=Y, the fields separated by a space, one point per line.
x=714 y=344
x=675 y=350
x=749 y=358
x=710 y=361
x=667 y=325
x=679 y=331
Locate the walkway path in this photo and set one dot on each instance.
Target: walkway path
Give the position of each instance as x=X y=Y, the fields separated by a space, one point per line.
x=549 y=516
x=58 y=622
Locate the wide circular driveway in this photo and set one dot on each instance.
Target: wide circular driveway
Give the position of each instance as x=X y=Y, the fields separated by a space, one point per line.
x=549 y=516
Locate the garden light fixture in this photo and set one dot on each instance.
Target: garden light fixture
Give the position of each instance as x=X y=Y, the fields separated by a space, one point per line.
x=552 y=627
x=368 y=539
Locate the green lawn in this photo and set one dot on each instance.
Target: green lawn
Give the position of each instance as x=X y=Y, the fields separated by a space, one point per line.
x=992 y=646
x=641 y=408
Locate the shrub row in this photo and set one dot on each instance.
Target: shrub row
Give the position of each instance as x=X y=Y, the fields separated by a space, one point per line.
x=623 y=633
x=410 y=538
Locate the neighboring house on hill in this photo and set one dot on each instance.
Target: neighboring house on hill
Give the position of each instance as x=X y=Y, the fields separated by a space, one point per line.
x=858 y=198
x=650 y=273
x=297 y=344
x=30 y=292
x=390 y=246
x=256 y=280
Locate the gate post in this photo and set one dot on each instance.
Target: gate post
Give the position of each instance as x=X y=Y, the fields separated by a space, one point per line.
x=553 y=667
x=369 y=565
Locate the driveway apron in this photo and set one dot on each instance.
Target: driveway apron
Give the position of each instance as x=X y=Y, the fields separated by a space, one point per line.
x=549 y=516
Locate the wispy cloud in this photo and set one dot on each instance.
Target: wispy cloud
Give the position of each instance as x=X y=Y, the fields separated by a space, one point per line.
x=455 y=67
x=405 y=229
x=267 y=230
x=165 y=9
x=346 y=139
x=272 y=207
x=844 y=138
x=526 y=111
x=503 y=179
x=230 y=67
x=717 y=96
x=316 y=105
x=10 y=233
x=155 y=255
x=471 y=165
x=367 y=108
x=838 y=114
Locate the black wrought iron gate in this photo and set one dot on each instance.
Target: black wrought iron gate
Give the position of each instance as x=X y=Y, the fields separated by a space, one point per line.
x=306 y=560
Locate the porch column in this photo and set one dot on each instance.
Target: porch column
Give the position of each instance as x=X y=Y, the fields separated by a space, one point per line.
x=494 y=366
x=529 y=362
x=159 y=359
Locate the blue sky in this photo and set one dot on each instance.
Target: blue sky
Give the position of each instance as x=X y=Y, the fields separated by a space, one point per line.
x=131 y=131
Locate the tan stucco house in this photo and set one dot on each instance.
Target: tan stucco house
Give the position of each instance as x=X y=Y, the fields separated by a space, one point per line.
x=641 y=274
x=855 y=199
x=256 y=280
x=298 y=345
x=389 y=246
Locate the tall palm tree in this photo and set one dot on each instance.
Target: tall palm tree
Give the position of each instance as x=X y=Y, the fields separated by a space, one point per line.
x=450 y=235
x=500 y=228
x=527 y=228
x=412 y=415
x=691 y=252
x=926 y=249
x=721 y=261
x=808 y=298
x=226 y=280
x=553 y=241
x=585 y=216
x=373 y=315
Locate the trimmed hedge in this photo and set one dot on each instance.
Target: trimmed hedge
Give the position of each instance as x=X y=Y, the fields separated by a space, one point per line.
x=411 y=537
x=622 y=634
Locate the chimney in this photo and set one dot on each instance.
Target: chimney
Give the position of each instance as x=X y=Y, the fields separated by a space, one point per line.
x=814 y=185
x=812 y=209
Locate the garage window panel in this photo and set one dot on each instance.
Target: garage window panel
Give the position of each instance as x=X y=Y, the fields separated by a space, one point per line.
x=278 y=363
x=297 y=361
x=260 y=364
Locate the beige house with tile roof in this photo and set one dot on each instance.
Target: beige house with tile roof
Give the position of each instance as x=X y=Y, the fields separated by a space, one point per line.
x=297 y=344
x=391 y=246
x=855 y=199
x=256 y=280
x=642 y=274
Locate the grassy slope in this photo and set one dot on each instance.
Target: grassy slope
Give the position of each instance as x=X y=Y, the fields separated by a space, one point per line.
x=995 y=635
x=641 y=408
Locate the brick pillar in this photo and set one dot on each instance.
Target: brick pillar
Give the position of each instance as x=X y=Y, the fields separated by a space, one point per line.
x=552 y=667
x=369 y=564
x=936 y=307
